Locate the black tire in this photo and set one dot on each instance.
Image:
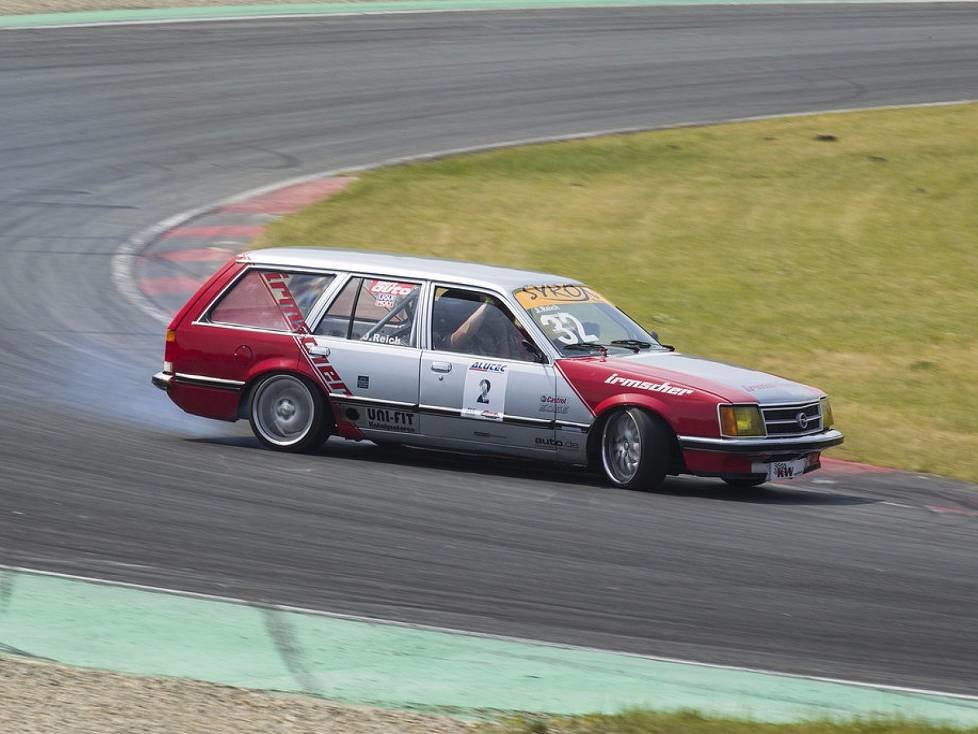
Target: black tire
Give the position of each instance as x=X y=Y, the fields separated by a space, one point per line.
x=744 y=482
x=631 y=464
x=287 y=413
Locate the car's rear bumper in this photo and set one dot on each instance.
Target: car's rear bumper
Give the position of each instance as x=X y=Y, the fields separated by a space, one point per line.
x=162 y=380
x=764 y=446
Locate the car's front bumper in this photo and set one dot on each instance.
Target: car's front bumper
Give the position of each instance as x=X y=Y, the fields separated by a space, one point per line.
x=764 y=446
x=162 y=380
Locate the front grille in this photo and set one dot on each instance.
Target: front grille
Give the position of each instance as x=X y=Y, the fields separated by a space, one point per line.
x=786 y=420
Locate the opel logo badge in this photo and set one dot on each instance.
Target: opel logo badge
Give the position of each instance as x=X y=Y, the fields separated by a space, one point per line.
x=802 y=420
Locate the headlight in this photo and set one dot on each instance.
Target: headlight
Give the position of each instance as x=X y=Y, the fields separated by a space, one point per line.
x=826 y=408
x=741 y=420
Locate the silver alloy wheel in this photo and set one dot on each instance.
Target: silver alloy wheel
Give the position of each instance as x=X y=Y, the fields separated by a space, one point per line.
x=283 y=410
x=621 y=447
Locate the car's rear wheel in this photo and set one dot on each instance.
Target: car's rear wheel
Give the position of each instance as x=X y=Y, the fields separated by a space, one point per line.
x=636 y=449
x=745 y=482
x=288 y=414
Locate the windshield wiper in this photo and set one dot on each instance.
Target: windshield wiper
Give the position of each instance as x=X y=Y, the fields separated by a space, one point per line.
x=635 y=344
x=589 y=346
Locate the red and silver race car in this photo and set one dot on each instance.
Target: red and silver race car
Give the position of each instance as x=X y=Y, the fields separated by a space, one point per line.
x=308 y=344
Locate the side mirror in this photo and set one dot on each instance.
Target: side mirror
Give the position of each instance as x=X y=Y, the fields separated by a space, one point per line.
x=655 y=335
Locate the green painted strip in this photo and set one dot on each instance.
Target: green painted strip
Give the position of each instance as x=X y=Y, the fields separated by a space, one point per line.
x=156 y=15
x=133 y=630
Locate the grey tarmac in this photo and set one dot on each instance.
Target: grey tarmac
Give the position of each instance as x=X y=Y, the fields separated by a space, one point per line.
x=104 y=131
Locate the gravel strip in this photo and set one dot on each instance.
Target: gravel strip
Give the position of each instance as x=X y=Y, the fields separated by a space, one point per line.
x=40 y=697
x=14 y=7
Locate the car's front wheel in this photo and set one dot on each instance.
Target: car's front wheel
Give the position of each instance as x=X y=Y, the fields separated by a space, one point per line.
x=636 y=449
x=288 y=414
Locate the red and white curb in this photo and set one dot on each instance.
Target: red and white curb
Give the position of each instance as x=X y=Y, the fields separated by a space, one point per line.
x=166 y=264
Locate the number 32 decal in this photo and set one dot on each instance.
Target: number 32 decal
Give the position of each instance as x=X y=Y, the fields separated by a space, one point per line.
x=567 y=327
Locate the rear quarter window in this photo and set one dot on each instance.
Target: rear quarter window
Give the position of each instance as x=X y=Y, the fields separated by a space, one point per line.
x=252 y=303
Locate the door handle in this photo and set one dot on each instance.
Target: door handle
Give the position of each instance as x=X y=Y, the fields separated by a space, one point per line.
x=441 y=366
x=319 y=351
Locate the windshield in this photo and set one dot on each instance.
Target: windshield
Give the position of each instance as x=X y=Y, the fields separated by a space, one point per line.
x=575 y=315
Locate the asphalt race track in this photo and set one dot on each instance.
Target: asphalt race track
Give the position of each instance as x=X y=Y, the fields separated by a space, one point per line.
x=105 y=131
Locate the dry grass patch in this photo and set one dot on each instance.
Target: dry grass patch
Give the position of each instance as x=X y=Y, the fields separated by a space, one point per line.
x=685 y=722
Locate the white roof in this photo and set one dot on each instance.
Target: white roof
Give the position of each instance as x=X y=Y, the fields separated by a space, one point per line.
x=404 y=266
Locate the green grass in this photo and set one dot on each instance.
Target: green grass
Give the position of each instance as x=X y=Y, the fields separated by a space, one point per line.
x=849 y=263
x=647 y=722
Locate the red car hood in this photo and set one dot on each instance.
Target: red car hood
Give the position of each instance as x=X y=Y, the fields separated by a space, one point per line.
x=727 y=382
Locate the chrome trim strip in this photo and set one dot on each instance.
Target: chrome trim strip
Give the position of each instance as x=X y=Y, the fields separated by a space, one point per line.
x=572 y=424
x=210 y=381
x=803 y=404
x=162 y=380
x=456 y=412
x=440 y=409
x=527 y=419
x=252 y=329
x=815 y=442
x=359 y=399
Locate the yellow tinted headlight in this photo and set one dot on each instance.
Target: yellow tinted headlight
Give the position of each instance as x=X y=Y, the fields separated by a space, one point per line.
x=827 y=419
x=741 y=420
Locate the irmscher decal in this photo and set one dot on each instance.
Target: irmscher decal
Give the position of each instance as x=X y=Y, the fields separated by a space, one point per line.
x=663 y=387
x=326 y=372
x=484 y=393
x=290 y=310
x=383 y=419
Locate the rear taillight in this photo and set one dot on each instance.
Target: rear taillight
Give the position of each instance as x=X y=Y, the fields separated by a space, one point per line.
x=171 y=340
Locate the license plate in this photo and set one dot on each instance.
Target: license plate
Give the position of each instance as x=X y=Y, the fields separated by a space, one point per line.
x=780 y=469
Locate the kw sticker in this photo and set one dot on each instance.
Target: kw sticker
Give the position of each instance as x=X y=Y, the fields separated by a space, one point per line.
x=484 y=393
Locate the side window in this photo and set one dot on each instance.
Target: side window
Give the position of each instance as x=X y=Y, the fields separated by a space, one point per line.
x=270 y=300
x=470 y=322
x=374 y=310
